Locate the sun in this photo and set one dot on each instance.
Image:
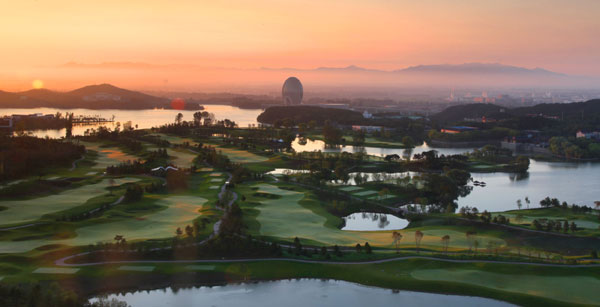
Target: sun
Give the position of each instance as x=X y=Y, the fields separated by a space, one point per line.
x=37 y=84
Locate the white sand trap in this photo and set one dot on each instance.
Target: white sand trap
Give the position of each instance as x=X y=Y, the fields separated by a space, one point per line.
x=214 y=187
x=216 y=180
x=206 y=169
x=56 y=270
x=216 y=174
x=53 y=178
x=91 y=173
x=136 y=268
x=200 y=267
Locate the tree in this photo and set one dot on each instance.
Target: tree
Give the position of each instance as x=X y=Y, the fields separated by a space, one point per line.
x=573 y=226
x=418 y=238
x=446 y=242
x=368 y=248
x=297 y=246
x=408 y=142
x=527 y=201
x=397 y=237
x=189 y=231
x=178 y=232
x=358 y=248
x=476 y=245
x=178 y=118
x=519 y=204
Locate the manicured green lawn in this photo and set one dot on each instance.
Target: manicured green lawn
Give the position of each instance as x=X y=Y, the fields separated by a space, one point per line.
x=241 y=156
x=21 y=211
x=298 y=214
x=107 y=156
x=578 y=289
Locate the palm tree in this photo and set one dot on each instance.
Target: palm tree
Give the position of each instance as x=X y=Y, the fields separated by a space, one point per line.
x=418 y=238
x=519 y=204
x=446 y=241
x=397 y=237
x=527 y=201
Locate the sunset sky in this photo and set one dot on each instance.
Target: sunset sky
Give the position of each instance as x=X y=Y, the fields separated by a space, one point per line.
x=40 y=37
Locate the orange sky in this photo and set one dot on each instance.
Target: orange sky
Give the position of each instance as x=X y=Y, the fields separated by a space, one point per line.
x=39 y=37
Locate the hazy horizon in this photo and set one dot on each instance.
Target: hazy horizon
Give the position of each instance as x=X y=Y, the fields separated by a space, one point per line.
x=158 y=45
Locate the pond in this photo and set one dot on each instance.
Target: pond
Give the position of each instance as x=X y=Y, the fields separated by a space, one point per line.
x=572 y=182
x=369 y=221
x=296 y=293
x=142 y=118
x=313 y=145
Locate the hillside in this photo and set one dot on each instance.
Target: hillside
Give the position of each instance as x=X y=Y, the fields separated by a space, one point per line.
x=588 y=109
x=305 y=114
x=103 y=96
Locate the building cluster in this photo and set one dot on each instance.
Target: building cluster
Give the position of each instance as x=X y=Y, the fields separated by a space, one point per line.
x=588 y=134
x=9 y=121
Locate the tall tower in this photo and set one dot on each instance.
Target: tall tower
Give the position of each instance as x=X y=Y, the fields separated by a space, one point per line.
x=292 y=91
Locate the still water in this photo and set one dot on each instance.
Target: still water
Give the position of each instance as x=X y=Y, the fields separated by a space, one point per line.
x=142 y=118
x=297 y=293
x=369 y=221
x=573 y=182
x=314 y=145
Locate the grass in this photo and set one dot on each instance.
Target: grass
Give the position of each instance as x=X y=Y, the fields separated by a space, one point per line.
x=174 y=211
x=107 y=156
x=154 y=217
x=365 y=193
x=22 y=211
x=350 y=188
x=299 y=214
x=580 y=289
x=55 y=271
x=137 y=268
x=241 y=156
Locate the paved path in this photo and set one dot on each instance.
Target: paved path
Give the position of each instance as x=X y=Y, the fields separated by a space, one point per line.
x=22 y=226
x=62 y=261
x=221 y=195
x=74 y=164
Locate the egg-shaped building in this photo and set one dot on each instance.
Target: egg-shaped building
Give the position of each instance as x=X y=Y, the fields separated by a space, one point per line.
x=292 y=91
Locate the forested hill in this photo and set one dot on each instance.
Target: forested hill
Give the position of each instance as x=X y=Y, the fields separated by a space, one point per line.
x=103 y=96
x=305 y=114
x=588 y=110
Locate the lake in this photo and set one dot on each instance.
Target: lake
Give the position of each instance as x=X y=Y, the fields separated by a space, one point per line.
x=143 y=118
x=297 y=293
x=369 y=221
x=573 y=182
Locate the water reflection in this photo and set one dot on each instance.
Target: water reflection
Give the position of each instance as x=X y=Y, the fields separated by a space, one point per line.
x=296 y=293
x=369 y=221
x=142 y=118
x=303 y=144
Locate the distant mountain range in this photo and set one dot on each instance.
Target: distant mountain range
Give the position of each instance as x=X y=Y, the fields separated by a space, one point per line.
x=103 y=96
x=467 y=68
x=481 y=75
